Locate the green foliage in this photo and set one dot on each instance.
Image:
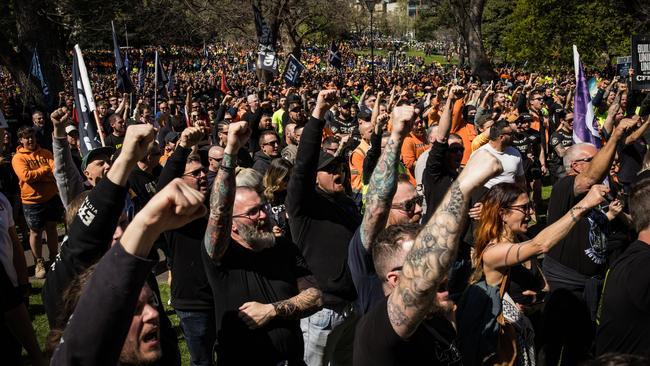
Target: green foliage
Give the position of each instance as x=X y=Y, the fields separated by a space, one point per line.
x=542 y=32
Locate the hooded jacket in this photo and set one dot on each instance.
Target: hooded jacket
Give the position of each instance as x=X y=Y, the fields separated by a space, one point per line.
x=35 y=172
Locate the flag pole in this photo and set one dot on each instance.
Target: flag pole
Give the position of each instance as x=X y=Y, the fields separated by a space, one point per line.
x=90 y=99
x=155 y=86
x=126 y=37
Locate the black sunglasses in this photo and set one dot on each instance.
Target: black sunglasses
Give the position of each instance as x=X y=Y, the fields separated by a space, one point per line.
x=409 y=206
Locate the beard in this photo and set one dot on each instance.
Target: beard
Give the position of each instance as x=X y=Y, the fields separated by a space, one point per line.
x=256 y=236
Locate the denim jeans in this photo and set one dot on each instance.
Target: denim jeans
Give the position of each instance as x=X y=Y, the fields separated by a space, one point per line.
x=328 y=337
x=200 y=335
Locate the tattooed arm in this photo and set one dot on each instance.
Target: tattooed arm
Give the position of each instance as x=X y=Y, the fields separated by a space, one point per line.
x=383 y=182
x=222 y=198
x=307 y=302
x=428 y=261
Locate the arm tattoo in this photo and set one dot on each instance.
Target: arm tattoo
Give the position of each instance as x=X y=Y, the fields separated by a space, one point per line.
x=382 y=188
x=427 y=262
x=307 y=302
x=222 y=198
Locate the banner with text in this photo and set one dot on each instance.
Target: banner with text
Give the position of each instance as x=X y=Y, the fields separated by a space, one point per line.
x=641 y=62
x=293 y=71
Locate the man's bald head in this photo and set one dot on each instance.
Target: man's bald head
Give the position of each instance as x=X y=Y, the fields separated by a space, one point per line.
x=215 y=155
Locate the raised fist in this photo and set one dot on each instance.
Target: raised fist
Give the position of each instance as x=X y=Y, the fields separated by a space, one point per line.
x=190 y=137
x=137 y=141
x=174 y=206
x=402 y=118
x=238 y=135
x=596 y=195
x=479 y=169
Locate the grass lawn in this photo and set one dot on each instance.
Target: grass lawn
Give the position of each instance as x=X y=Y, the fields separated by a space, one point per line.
x=41 y=326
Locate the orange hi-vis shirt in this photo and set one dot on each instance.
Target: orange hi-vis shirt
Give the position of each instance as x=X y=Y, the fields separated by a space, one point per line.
x=412 y=148
x=35 y=171
x=356 y=165
x=465 y=130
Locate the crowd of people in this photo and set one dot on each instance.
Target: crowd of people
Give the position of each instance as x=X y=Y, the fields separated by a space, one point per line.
x=346 y=221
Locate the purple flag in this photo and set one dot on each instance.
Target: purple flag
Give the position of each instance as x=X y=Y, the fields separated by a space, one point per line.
x=584 y=122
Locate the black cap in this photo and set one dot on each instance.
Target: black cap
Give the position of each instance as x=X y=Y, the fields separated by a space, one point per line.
x=171 y=137
x=92 y=154
x=325 y=160
x=525 y=117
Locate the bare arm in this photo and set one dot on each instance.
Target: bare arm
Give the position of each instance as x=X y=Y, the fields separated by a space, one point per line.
x=383 y=181
x=444 y=126
x=599 y=166
x=428 y=261
x=638 y=132
x=506 y=255
x=307 y=302
x=222 y=198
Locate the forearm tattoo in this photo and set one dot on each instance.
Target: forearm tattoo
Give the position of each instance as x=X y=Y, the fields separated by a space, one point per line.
x=304 y=304
x=428 y=261
x=222 y=199
x=381 y=189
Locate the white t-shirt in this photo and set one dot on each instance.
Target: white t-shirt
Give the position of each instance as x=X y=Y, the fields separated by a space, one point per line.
x=6 y=246
x=510 y=160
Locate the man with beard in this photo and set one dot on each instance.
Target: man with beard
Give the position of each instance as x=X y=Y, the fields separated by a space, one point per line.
x=414 y=323
x=116 y=319
x=389 y=201
x=263 y=283
x=116 y=138
x=191 y=295
x=342 y=123
x=528 y=142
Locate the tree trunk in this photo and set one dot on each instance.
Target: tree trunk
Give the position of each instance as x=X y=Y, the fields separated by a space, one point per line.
x=469 y=14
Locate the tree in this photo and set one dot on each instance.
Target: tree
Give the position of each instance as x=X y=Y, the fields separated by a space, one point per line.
x=468 y=15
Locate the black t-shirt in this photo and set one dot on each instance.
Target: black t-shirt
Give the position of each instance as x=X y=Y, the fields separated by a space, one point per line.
x=364 y=276
x=436 y=178
x=343 y=126
x=265 y=277
x=377 y=344
x=562 y=139
x=527 y=142
x=142 y=187
x=625 y=310
x=115 y=141
x=583 y=249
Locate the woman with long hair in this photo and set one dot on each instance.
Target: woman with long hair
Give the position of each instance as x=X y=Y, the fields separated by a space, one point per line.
x=275 y=190
x=501 y=246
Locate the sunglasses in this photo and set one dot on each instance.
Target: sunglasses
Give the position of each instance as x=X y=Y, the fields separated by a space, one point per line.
x=409 y=206
x=271 y=143
x=525 y=208
x=196 y=172
x=585 y=160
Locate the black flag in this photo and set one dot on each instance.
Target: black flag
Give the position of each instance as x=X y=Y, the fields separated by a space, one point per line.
x=293 y=71
x=124 y=83
x=84 y=105
x=161 y=78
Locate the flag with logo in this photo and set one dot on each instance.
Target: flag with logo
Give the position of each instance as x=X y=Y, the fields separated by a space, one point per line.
x=84 y=104
x=293 y=71
x=37 y=72
x=334 y=56
x=584 y=123
x=124 y=83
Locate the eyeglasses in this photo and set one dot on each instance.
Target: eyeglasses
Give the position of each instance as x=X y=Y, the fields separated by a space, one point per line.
x=271 y=143
x=585 y=160
x=525 y=208
x=215 y=159
x=196 y=173
x=409 y=206
x=252 y=214
x=538 y=98
x=296 y=110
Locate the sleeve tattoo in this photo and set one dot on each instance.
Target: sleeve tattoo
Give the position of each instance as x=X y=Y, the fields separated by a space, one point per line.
x=382 y=187
x=307 y=302
x=222 y=198
x=427 y=263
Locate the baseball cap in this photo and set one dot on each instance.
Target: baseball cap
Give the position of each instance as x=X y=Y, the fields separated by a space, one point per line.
x=70 y=128
x=325 y=160
x=95 y=153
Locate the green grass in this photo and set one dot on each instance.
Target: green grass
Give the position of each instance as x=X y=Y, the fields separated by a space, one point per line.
x=42 y=328
x=411 y=53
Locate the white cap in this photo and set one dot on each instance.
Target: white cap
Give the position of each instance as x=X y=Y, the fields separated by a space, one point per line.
x=70 y=128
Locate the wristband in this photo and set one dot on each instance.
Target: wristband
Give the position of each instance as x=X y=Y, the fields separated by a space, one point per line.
x=573 y=215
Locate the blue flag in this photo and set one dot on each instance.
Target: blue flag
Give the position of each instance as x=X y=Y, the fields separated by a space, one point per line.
x=124 y=83
x=334 y=56
x=37 y=72
x=293 y=71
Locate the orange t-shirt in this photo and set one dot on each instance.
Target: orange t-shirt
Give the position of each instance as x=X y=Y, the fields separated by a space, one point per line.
x=412 y=148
